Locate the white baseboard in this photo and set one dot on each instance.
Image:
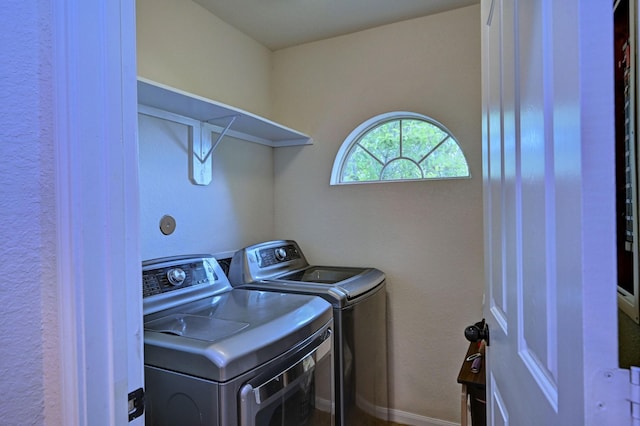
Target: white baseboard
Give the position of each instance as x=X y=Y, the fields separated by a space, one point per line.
x=406 y=418
x=398 y=416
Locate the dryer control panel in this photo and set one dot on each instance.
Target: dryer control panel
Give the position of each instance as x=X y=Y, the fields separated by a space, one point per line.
x=171 y=280
x=176 y=276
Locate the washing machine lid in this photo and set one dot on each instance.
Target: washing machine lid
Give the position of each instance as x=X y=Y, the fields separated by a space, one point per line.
x=223 y=336
x=341 y=282
x=280 y=265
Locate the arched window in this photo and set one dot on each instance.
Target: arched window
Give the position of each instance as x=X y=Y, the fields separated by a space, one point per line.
x=399 y=146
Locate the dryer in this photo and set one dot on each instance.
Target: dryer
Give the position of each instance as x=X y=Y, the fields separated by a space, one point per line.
x=220 y=356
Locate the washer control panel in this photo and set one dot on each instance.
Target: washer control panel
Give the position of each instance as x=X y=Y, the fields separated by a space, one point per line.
x=273 y=255
x=265 y=261
x=178 y=274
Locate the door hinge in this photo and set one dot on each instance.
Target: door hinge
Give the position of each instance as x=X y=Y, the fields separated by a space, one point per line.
x=608 y=396
x=136 y=404
x=634 y=395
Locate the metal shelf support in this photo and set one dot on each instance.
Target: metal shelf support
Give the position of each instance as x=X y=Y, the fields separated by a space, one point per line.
x=201 y=149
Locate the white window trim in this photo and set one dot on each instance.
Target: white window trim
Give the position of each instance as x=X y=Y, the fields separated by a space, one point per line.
x=353 y=137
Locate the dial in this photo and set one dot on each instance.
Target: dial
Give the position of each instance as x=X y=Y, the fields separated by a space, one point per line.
x=176 y=276
x=281 y=254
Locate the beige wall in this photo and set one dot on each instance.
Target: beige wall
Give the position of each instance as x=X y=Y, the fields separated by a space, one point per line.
x=426 y=236
x=183 y=45
x=234 y=210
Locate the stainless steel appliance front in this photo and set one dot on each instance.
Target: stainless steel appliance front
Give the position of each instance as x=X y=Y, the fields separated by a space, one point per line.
x=358 y=298
x=220 y=356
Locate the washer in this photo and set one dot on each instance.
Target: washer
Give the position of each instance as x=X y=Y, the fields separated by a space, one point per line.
x=220 y=356
x=358 y=298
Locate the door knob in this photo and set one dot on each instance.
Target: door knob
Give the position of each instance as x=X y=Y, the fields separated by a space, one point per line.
x=477 y=331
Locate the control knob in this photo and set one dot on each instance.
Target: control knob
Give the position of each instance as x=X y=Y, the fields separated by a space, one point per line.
x=281 y=254
x=176 y=276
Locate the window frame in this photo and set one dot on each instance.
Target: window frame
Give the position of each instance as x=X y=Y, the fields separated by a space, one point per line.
x=359 y=132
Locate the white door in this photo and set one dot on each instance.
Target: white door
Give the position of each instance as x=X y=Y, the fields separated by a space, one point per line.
x=550 y=300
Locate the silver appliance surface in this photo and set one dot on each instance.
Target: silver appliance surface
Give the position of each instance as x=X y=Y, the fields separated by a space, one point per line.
x=358 y=297
x=205 y=340
x=222 y=336
x=281 y=264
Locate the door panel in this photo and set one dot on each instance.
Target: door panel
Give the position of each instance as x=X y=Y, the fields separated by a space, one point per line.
x=493 y=126
x=498 y=414
x=549 y=208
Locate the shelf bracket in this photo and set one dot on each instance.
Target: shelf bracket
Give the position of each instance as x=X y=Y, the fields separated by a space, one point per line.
x=201 y=150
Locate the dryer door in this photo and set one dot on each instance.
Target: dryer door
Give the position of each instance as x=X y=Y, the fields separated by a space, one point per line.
x=299 y=392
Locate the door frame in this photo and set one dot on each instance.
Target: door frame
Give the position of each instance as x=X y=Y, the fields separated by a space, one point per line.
x=98 y=255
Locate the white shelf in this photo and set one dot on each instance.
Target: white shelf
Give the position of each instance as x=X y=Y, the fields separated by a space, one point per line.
x=158 y=98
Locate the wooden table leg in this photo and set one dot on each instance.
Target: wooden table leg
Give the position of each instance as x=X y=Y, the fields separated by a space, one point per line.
x=463 y=406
